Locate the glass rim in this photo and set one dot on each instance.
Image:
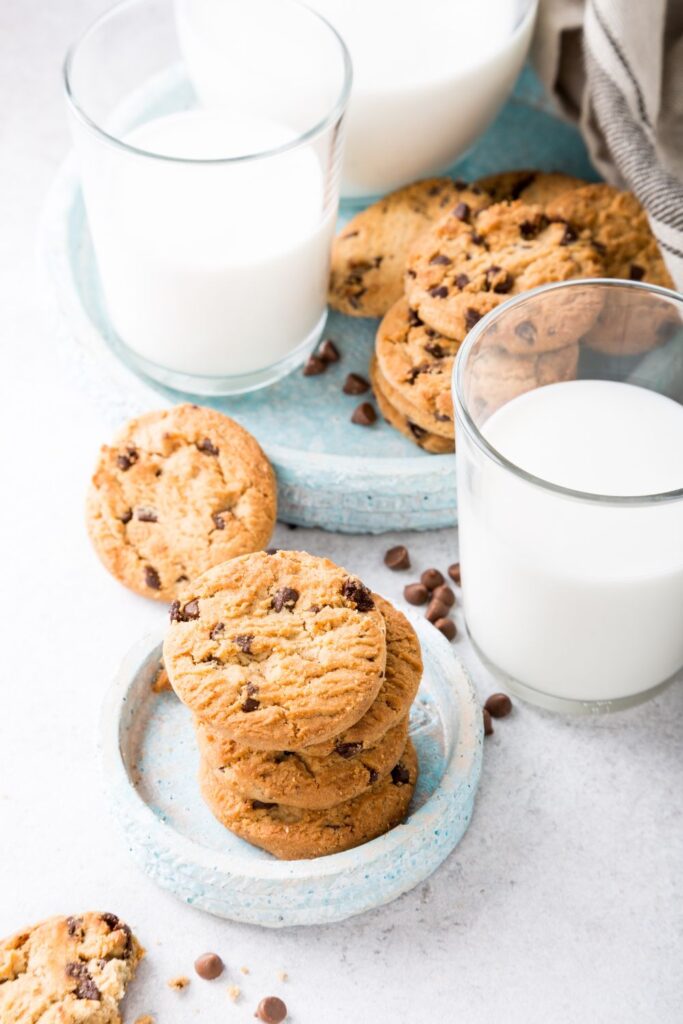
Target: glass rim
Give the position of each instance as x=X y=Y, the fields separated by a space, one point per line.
x=492 y=453
x=331 y=118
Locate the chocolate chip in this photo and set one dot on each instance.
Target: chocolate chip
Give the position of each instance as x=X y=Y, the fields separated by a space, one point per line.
x=479 y=239
x=462 y=211
x=208 y=966
x=182 y=579
x=569 y=235
x=412 y=273
x=397 y=558
x=364 y=415
x=436 y=350
x=400 y=775
x=207 y=447
x=271 y=1010
x=528 y=229
x=261 y=805
x=217 y=630
x=218 y=520
x=372 y=776
x=146 y=515
x=329 y=351
x=497 y=283
x=454 y=572
x=416 y=593
x=416 y=431
x=127 y=516
x=636 y=272
x=356 y=592
x=250 y=704
x=348 y=750
x=447 y=627
x=444 y=594
x=74 y=924
x=191 y=610
x=86 y=987
x=472 y=317
x=461 y=280
x=243 y=641
x=284 y=598
x=439 y=291
x=313 y=366
x=272 y=551
x=152 y=578
x=355 y=384
x=498 y=705
x=431 y=578
x=436 y=610
x=488 y=724
x=414 y=319
x=441 y=258
x=111 y=921
x=526 y=331
x=124 y=462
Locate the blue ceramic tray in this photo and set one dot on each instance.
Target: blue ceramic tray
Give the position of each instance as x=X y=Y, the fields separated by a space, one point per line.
x=331 y=473
x=150 y=769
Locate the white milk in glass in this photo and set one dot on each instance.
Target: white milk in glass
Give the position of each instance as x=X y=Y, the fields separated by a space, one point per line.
x=218 y=269
x=575 y=599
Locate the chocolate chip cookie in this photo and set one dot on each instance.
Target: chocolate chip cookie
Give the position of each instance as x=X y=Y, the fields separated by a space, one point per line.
x=292 y=833
x=67 y=970
x=468 y=264
x=278 y=650
x=179 y=491
x=496 y=375
x=297 y=778
x=369 y=254
x=416 y=362
x=530 y=186
x=436 y=444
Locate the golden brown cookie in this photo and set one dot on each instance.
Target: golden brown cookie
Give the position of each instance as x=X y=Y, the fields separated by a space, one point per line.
x=278 y=650
x=67 y=970
x=369 y=253
x=465 y=266
x=416 y=362
x=179 y=491
x=529 y=186
x=292 y=833
x=496 y=375
x=297 y=778
x=436 y=444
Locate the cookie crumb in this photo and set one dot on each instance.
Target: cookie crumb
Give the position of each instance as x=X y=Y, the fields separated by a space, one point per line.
x=234 y=993
x=244 y=970
x=282 y=976
x=179 y=983
x=145 y=1019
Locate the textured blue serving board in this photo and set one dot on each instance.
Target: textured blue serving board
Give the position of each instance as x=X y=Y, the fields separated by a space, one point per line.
x=331 y=473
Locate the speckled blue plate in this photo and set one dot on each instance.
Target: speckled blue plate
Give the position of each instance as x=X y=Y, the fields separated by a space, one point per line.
x=331 y=473
x=150 y=766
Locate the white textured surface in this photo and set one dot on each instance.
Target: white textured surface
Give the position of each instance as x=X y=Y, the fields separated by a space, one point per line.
x=564 y=902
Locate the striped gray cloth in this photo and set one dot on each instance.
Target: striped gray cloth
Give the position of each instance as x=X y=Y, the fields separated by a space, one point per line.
x=616 y=67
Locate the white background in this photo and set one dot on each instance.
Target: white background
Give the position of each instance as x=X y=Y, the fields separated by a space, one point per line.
x=564 y=902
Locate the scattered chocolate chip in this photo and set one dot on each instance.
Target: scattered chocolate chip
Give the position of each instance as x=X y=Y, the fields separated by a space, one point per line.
x=284 y=598
x=436 y=350
x=217 y=630
x=124 y=462
x=472 y=317
x=127 y=516
x=488 y=724
x=431 y=578
x=498 y=705
x=209 y=966
x=271 y=1010
x=348 y=750
x=439 y=291
x=441 y=259
x=416 y=593
x=462 y=211
x=454 y=572
x=356 y=592
x=397 y=558
x=526 y=331
x=444 y=594
x=262 y=805
x=414 y=319
x=461 y=280
x=447 y=627
x=272 y=551
x=146 y=515
x=314 y=365
x=207 y=447
x=329 y=352
x=569 y=235
x=152 y=578
x=436 y=610
x=218 y=520
x=355 y=384
x=636 y=272
x=364 y=415
x=400 y=775
x=243 y=641
x=86 y=987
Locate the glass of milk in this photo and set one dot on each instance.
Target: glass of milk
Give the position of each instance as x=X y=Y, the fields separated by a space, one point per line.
x=211 y=226
x=569 y=429
x=428 y=77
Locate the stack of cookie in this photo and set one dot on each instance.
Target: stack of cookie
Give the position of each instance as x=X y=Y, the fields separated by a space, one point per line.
x=301 y=681
x=436 y=256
